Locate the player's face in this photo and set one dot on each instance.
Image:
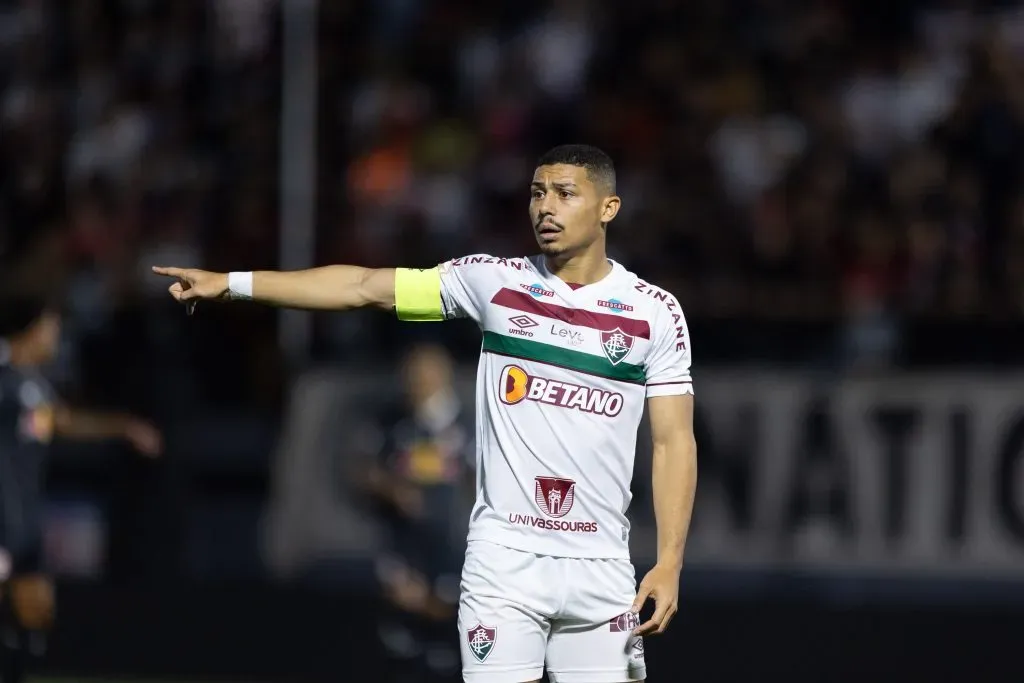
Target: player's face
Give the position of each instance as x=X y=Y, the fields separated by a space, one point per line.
x=567 y=209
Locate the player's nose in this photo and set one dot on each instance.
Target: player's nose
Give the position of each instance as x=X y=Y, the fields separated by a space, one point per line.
x=542 y=216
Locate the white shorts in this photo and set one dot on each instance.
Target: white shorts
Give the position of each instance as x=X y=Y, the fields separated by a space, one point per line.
x=519 y=612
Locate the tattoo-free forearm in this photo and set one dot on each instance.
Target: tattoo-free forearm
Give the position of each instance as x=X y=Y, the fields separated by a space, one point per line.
x=675 y=483
x=328 y=288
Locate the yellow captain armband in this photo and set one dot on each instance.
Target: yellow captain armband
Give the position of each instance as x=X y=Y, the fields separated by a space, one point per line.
x=418 y=294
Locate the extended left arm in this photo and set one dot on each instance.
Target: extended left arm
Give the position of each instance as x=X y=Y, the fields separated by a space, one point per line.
x=85 y=425
x=675 y=482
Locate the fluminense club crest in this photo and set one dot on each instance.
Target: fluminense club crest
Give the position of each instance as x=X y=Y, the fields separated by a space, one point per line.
x=481 y=640
x=616 y=345
x=554 y=496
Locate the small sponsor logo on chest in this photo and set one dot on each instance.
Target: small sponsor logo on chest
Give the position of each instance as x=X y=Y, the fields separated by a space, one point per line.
x=522 y=324
x=567 y=334
x=614 y=305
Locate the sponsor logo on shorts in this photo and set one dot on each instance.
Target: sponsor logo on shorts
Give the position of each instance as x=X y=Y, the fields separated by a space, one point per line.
x=616 y=345
x=624 y=623
x=614 y=305
x=536 y=290
x=516 y=385
x=481 y=640
x=522 y=324
x=636 y=649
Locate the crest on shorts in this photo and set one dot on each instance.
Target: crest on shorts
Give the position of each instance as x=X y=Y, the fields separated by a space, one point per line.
x=616 y=345
x=623 y=623
x=481 y=640
x=554 y=496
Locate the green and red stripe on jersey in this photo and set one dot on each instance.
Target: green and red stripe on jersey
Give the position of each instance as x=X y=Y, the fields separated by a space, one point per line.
x=577 y=361
x=603 y=322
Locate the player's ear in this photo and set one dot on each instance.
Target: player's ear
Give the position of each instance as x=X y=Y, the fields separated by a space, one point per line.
x=610 y=208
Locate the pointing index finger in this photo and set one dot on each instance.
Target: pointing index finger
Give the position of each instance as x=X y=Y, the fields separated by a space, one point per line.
x=169 y=272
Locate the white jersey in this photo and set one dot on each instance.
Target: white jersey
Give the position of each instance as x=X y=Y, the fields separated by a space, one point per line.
x=560 y=393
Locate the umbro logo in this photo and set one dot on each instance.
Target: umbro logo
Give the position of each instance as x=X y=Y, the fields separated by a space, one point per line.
x=522 y=325
x=523 y=321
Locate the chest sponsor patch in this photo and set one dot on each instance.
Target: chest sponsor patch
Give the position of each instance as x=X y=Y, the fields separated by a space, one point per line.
x=515 y=385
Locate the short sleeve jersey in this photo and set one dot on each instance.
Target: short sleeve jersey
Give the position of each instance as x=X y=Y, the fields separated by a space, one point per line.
x=561 y=386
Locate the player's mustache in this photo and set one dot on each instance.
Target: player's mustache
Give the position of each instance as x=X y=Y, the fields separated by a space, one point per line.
x=547 y=219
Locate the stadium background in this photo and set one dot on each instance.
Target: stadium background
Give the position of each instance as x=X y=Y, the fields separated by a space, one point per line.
x=833 y=190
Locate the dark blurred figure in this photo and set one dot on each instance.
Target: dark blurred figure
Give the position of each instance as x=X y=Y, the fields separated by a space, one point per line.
x=423 y=472
x=30 y=416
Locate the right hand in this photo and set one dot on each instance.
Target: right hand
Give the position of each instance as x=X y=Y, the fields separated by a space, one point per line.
x=193 y=284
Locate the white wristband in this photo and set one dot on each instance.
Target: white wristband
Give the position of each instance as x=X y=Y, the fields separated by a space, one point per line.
x=240 y=285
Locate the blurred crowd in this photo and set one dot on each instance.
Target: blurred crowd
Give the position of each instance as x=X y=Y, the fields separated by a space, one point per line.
x=813 y=179
x=138 y=132
x=779 y=159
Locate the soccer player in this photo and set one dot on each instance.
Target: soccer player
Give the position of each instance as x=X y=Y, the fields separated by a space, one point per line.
x=30 y=416
x=573 y=343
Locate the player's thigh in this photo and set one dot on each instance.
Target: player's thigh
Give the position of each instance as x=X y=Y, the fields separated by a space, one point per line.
x=594 y=641
x=504 y=611
x=595 y=653
x=501 y=641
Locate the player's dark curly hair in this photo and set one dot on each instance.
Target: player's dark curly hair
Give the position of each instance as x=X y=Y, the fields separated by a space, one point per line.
x=600 y=167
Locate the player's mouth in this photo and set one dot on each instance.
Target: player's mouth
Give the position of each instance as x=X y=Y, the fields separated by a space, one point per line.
x=548 y=229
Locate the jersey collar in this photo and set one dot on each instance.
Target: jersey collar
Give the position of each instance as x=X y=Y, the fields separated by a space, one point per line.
x=559 y=285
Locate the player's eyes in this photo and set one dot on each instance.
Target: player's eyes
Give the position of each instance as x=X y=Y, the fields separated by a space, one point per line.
x=564 y=195
x=536 y=194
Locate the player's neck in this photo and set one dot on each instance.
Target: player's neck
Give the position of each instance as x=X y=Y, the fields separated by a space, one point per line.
x=580 y=269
